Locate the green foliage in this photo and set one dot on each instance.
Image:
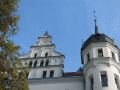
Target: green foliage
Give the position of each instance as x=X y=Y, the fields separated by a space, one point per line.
x=12 y=75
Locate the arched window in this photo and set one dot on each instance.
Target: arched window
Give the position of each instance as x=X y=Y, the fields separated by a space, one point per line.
x=42 y=63
x=35 y=63
x=35 y=55
x=47 y=63
x=46 y=54
x=30 y=64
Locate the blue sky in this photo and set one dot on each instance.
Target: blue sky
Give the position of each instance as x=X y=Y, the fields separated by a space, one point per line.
x=69 y=22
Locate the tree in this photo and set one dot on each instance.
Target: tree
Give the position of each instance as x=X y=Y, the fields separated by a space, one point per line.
x=12 y=75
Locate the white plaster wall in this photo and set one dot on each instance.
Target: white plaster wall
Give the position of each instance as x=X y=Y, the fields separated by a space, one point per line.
x=46 y=51
x=42 y=50
x=44 y=41
x=115 y=51
x=95 y=71
x=38 y=73
x=93 y=50
x=58 y=86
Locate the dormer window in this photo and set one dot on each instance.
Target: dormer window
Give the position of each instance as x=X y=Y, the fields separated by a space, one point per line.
x=100 y=52
x=113 y=55
x=46 y=54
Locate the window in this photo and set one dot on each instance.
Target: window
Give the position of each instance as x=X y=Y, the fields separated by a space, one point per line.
x=27 y=75
x=88 y=57
x=47 y=63
x=51 y=73
x=30 y=64
x=35 y=63
x=91 y=82
x=117 y=81
x=104 y=80
x=46 y=54
x=113 y=55
x=35 y=55
x=42 y=63
x=44 y=74
x=100 y=52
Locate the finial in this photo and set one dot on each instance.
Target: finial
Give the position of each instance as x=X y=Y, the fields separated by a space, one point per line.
x=46 y=33
x=96 y=27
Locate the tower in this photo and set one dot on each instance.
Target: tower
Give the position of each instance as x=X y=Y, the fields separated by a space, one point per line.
x=43 y=60
x=100 y=57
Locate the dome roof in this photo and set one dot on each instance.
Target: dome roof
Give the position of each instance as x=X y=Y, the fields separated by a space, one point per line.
x=96 y=38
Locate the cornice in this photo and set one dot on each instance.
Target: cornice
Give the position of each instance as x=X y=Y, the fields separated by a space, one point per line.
x=102 y=60
x=48 y=57
x=49 y=66
x=38 y=81
x=52 y=45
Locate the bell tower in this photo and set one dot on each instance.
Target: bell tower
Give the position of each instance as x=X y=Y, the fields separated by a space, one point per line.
x=100 y=57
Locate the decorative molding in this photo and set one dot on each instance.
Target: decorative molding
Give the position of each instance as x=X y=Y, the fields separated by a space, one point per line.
x=102 y=60
x=74 y=79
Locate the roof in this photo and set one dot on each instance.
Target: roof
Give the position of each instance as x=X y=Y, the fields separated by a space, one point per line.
x=73 y=74
x=96 y=38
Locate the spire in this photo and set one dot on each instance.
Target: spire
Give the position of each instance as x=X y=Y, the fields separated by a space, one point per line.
x=96 y=27
x=46 y=33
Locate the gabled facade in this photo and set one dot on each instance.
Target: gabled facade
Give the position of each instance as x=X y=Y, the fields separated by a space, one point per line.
x=44 y=61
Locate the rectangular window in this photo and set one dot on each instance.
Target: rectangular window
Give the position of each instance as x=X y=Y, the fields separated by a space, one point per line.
x=91 y=82
x=42 y=63
x=35 y=55
x=117 y=81
x=100 y=52
x=44 y=74
x=88 y=57
x=46 y=54
x=51 y=73
x=113 y=55
x=104 y=80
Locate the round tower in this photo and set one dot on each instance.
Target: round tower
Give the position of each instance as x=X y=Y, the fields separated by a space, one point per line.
x=100 y=57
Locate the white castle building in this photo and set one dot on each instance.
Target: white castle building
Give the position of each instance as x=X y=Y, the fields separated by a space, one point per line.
x=101 y=65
